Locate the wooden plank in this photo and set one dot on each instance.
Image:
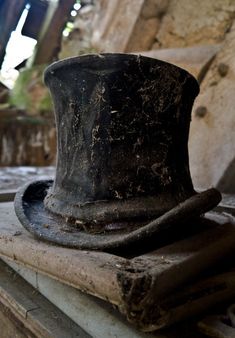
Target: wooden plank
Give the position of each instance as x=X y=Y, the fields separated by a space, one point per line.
x=50 y=37
x=213 y=326
x=34 y=315
x=93 y=272
x=10 y=12
x=227 y=204
x=7 y=195
x=195 y=299
x=98 y=318
x=115 y=24
x=135 y=285
x=10 y=326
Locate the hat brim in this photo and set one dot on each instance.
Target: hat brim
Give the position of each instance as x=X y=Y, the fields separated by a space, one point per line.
x=47 y=226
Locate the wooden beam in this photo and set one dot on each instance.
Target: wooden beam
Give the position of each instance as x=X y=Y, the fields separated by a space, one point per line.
x=26 y=313
x=49 y=42
x=10 y=12
x=7 y=195
x=98 y=318
x=138 y=285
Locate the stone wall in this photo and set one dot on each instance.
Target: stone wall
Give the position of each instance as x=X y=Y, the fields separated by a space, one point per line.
x=195 y=22
x=212 y=136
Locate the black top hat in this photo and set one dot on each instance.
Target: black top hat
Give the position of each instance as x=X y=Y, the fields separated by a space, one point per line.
x=122 y=131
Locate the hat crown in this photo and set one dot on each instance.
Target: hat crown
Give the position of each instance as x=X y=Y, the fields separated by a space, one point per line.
x=122 y=129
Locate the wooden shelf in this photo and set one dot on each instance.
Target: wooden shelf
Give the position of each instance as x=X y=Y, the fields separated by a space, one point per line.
x=24 y=312
x=137 y=285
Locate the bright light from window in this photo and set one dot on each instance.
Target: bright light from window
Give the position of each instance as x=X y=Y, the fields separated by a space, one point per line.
x=77 y=6
x=65 y=33
x=18 y=49
x=73 y=13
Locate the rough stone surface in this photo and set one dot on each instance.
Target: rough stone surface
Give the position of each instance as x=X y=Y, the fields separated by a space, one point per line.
x=212 y=136
x=195 y=22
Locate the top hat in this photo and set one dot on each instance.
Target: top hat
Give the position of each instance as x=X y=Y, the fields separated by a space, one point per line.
x=122 y=155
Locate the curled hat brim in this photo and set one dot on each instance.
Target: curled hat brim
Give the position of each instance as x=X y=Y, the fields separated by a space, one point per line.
x=47 y=226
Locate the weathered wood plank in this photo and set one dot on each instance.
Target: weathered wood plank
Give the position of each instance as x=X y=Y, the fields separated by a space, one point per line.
x=227 y=204
x=10 y=326
x=7 y=195
x=93 y=272
x=195 y=299
x=135 y=285
x=30 y=312
x=49 y=42
x=98 y=318
x=213 y=326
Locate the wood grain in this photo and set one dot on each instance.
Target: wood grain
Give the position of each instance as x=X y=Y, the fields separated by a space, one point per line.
x=136 y=285
x=27 y=313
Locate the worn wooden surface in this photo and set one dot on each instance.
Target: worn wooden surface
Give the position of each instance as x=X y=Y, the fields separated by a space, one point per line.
x=26 y=313
x=193 y=300
x=9 y=326
x=7 y=195
x=214 y=327
x=48 y=45
x=135 y=285
x=98 y=318
x=94 y=272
